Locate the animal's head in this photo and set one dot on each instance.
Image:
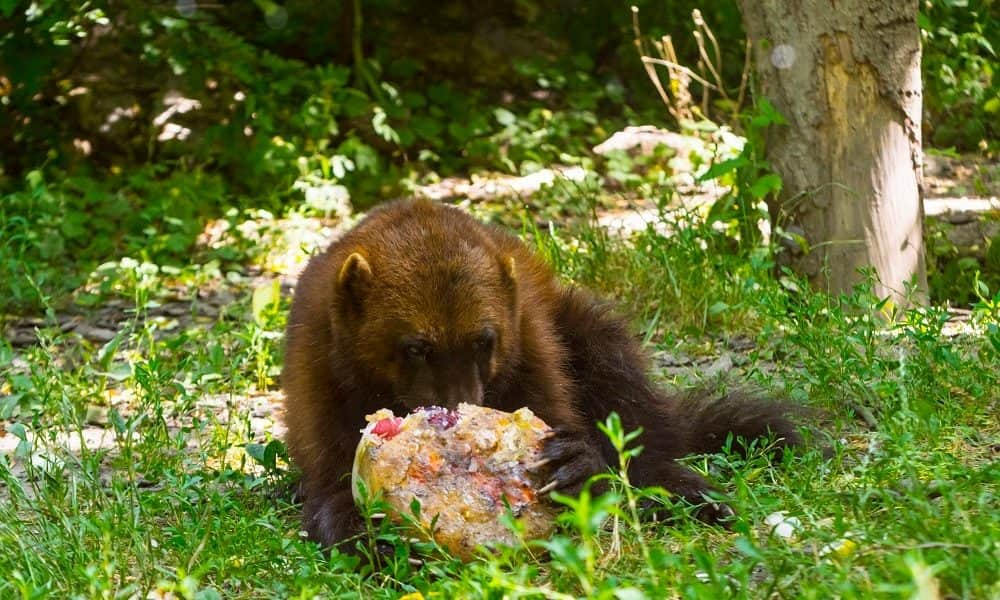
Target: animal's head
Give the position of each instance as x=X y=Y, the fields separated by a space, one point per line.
x=433 y=319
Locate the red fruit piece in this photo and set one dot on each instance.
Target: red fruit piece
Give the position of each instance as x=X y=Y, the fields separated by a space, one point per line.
x=388 y=428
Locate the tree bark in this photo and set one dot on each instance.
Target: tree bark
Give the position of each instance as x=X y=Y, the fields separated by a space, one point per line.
x=846 y=76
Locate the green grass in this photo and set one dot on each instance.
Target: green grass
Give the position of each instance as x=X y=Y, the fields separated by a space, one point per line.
x=906 y=505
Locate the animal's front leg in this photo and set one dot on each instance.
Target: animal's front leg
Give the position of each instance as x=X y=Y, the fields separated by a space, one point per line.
x=330 y=517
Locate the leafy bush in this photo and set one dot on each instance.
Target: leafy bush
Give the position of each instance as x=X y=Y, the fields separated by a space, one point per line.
x=961 y=87
x=142 y=120
x=55 y=233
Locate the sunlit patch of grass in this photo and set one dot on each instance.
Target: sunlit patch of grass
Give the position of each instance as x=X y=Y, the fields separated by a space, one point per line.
x=679 y=280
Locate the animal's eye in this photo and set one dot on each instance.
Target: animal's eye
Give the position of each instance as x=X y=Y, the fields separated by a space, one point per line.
x=484 y=342
x=416 y=350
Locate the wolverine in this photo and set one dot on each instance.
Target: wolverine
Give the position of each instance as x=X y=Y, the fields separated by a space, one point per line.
x=420 y=304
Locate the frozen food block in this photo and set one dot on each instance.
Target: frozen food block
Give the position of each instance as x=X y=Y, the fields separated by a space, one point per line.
x=465 y=466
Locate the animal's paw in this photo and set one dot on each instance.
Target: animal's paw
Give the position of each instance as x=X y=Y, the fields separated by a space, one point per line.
x=568 y=459
x=706 y=509
x=332 y=520
x=715 y=513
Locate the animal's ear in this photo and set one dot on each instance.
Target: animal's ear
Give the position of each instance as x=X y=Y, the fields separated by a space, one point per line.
x=508 y=274
x=508 y=269
x=508 y=277
x=355 y=277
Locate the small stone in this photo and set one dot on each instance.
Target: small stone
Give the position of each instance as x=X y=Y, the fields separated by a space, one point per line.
x=96 y=415
x=176 y=310
x=960 y=217
x=22 y=337
x=68 y=323
x=783 y=530
x=782 y=525
x=95 y=334
x=721 y=365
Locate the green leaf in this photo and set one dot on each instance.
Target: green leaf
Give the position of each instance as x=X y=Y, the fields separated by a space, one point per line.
x=265 y=454
x=767 y=184
x=746 y=547
x=717 y=308
x=441 y=94
x=337 y=76
x=35 y=180
x=459 y=131
x=790 y=284
x=207 y=594
x=264 y=296
x=380 y=123
x=7 y=7
x=17 y=430
x=982 y=289
x=766 y=115
x=428 y=128
x=505 y=117
x=414 y=100
x=924 y=21
x=8 y=404
x=722 y=209
x=985 y=45
x=365 y=158
x=255 y=451
x=727 y=166
x=353 y=102
x=566 y=553
x=406 y=138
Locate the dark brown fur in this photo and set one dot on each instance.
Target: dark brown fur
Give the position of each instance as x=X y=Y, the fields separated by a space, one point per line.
x=420 y=304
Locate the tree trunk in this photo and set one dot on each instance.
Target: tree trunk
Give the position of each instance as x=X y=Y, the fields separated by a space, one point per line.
x=846 y=76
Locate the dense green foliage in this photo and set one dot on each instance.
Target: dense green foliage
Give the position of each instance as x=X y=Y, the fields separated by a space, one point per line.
x=135 y=121
x=961 y=83
x=128 y=123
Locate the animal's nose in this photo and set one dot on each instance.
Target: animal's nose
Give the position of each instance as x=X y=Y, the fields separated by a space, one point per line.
x=471 y=393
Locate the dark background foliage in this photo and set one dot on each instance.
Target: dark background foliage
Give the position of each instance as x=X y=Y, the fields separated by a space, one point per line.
x=126 y=123
x=436 y=69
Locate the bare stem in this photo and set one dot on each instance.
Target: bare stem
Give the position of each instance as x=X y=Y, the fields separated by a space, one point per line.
x=681 y=68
